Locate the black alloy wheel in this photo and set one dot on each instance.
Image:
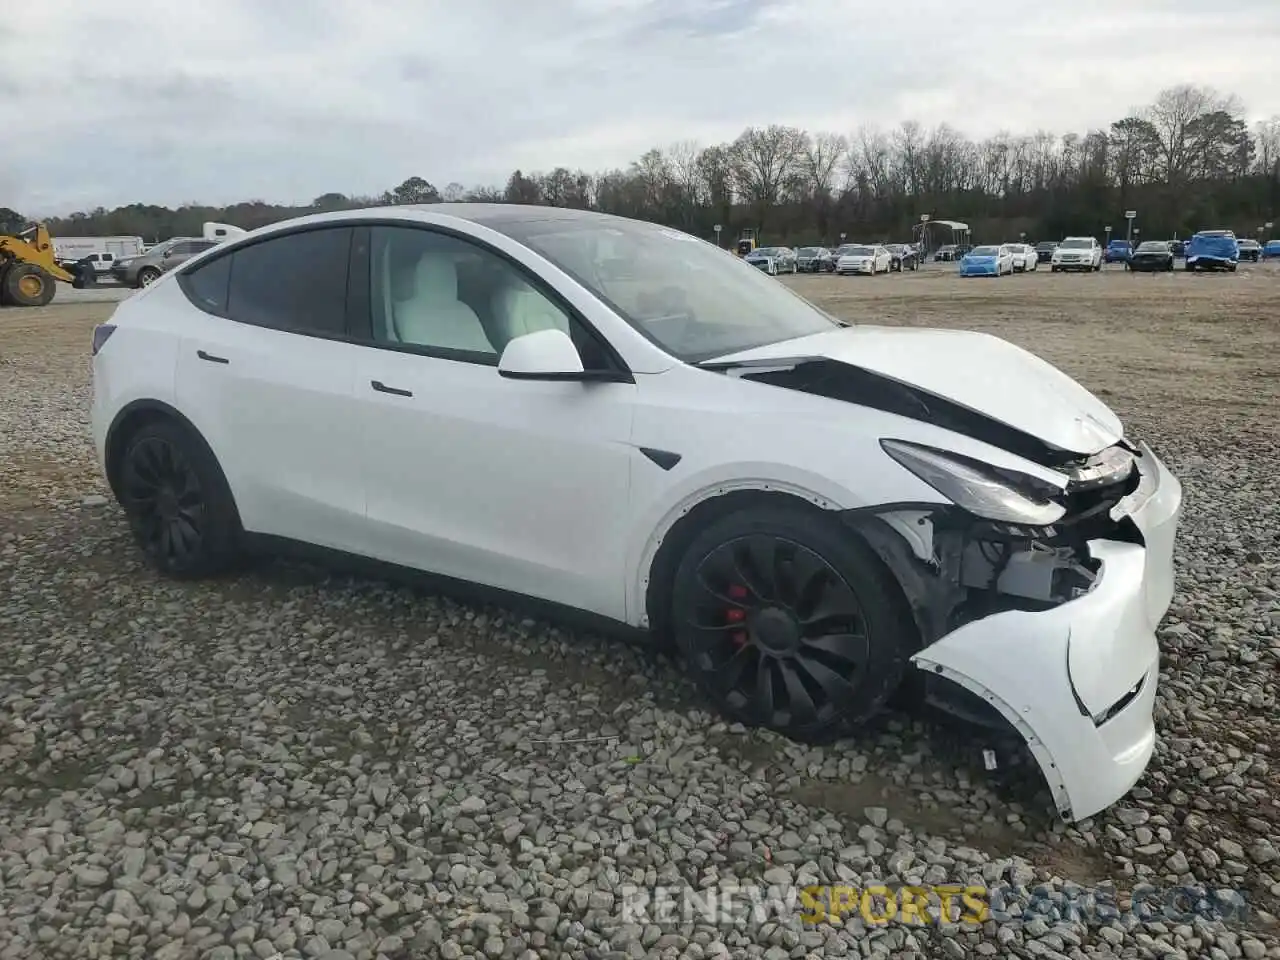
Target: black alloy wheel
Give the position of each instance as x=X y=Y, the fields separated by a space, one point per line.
x=789 y=624
x=179 y=507
x=163 y=496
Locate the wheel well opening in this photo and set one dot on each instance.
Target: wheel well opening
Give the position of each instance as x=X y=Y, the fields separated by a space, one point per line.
x=123 y=431
x=683 y=531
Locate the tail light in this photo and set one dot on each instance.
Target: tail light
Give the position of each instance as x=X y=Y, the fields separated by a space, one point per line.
x=101 y=334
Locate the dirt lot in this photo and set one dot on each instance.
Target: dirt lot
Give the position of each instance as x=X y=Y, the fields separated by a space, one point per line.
x=291 y=692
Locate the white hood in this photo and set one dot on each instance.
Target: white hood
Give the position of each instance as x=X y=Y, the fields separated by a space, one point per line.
x=987 y=375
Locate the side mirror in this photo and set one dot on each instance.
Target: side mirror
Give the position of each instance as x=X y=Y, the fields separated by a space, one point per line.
x=544 y=355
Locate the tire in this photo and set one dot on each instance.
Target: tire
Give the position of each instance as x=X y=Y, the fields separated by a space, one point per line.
x=147 y=276
x=1053 y=269
x=716 y=587
x=1190 y=268
x=26 y=285
x=180 y=509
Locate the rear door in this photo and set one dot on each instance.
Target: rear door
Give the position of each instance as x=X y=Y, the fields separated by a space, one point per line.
x=267 y=367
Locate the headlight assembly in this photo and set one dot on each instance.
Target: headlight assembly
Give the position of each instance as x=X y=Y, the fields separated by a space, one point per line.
x=978 y=488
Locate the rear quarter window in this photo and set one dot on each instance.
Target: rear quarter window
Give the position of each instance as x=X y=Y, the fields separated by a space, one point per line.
x=207 y=286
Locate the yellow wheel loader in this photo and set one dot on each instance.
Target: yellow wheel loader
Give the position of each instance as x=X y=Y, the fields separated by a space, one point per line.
x=29 y=268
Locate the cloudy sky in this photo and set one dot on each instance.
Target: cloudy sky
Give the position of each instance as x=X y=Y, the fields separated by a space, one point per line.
x=168 y=101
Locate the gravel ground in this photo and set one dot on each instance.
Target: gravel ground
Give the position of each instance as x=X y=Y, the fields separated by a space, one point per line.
x=301 y=763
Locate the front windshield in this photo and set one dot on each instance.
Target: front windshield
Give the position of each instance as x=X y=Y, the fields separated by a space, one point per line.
x=1045 y=245
x=1075 y=245
x=695 y=301
x=767 y=251
x=985 y=252
x=859 y=252
x=1152 y=246
x=808 y=252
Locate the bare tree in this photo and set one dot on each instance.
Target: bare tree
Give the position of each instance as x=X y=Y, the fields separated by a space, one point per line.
x=765 y=161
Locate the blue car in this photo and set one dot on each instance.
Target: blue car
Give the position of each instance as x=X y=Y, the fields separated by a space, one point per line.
x=1271 y=250
x=1118 y=251
x=988 y=261
x=1213 y=250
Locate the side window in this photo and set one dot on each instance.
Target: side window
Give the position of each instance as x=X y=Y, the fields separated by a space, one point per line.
x=442 y=293
x=296 y=282
x=200 y=246
x=207 y=285
x=181 y=249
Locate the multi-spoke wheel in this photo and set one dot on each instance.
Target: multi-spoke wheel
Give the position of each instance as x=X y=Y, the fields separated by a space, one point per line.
x=177 y=501
x=789 y=622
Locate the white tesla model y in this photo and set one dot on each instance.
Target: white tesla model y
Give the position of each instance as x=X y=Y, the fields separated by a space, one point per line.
x=619 y=418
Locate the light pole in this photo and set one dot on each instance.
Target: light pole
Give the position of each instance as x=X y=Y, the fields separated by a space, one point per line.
x=717 y=228
x=1108 y=229
x=1136 y=234
x=1130 y=215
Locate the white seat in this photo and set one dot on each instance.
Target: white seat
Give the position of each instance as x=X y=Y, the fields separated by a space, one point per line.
x=434 y=316
x=519 y=309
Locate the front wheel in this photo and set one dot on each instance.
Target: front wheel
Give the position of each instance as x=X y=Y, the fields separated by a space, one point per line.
x=787 y=621
x=179 y=506
x=147 y=276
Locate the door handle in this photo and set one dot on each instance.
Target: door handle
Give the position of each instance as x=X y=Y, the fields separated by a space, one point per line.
x=210 y=357
x=383 y=388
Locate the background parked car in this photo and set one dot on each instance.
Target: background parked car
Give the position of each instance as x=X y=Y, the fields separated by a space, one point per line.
x=814 y=260
x=1044 y=250
x=1178 y=248
x=773 y=260
x=1250 y=250
x=1150 y=256
x=1212 y=250
x=903 y=257
x=1271 y=250
x=1024 y=257
x=987 y=261
x=945 y=253
x=145 y=269
x=1077 y=253
x=868 y=258
x=1118 y=251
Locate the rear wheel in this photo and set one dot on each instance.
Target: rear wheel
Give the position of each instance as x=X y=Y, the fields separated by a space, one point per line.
x=26 y=285
x=787 y=621
x=177 y=501
x=147 y=276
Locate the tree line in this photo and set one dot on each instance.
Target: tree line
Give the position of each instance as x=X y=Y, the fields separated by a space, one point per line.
x=1187 y=161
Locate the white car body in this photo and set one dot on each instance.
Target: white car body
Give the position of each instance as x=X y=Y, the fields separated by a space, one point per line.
x=1077 y=253
x=1024 y=257
x=879 y=260
x=522 y=472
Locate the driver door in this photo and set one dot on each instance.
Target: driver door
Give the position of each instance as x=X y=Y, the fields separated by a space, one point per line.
x=516 y=484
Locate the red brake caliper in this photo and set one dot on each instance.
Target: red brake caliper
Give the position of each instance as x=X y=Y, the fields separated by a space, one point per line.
x=737 y=614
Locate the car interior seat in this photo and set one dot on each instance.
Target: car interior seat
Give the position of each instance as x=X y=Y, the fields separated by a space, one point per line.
x=519 y=309
x=433 y=315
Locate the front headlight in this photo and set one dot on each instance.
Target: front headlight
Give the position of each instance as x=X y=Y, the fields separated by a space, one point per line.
x=978 y=488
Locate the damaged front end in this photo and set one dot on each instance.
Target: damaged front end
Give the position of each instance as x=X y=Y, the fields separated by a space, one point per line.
x=1036 y=595
x=1046 y=627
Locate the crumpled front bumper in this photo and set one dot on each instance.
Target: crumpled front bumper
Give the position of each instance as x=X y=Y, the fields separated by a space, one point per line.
x=1078 y=681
